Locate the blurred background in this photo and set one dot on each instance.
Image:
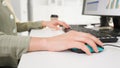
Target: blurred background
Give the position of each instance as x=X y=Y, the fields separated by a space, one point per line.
x=69 y=11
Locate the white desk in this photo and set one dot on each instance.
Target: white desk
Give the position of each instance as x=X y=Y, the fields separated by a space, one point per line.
x=109 y=58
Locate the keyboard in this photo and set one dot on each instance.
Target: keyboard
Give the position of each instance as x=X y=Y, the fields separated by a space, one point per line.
x=104 y=36
x=113 y=32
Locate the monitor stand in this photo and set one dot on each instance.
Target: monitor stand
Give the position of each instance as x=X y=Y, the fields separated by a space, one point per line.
x=104 y=21
x=116 y=22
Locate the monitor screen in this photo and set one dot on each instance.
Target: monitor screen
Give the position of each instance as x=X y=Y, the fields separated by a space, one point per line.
x=102 y=7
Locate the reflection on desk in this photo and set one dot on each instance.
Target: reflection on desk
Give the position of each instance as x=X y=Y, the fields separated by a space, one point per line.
x=109 y=58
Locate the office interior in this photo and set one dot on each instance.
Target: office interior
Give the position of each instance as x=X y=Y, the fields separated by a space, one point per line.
x=101 y=21
x=70 y=11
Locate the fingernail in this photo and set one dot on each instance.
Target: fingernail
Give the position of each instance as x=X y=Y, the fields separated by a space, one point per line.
x=89 y=53
x=102 y=45
x=96 y=51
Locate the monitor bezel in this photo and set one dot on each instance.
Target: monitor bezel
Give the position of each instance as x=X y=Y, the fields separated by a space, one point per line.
x=83 y=9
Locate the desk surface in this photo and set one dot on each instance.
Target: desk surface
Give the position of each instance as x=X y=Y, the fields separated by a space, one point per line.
x=109 y=58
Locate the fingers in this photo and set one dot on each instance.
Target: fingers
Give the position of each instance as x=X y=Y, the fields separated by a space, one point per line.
x=96 y=40
x=81 y=46
x=90 y=43
x=91 y=37
x=88 y=39
x=54 y=24
x=63 y=24
x=55 y=27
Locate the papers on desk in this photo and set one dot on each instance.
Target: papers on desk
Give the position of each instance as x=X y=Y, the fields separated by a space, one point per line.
x=46 y=32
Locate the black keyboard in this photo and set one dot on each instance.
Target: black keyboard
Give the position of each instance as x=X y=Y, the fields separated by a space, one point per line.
x=104 y=36
x=113 y=32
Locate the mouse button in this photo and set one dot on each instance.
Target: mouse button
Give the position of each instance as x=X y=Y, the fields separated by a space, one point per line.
x=90 y=48
x=100 y=48
x=77 y=50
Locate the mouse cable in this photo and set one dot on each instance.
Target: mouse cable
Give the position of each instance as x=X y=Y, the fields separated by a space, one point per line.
x=111 y=45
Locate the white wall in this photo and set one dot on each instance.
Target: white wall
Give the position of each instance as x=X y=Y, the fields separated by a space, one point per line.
x=69 y=11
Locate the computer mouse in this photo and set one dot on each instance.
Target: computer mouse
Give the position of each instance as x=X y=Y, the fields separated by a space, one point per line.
x=100 y=49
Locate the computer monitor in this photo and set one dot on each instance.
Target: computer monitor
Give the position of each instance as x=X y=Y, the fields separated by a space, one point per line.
x=105 y=8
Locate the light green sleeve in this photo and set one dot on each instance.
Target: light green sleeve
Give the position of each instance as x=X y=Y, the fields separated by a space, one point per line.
x=25 y=26
x=11 y=48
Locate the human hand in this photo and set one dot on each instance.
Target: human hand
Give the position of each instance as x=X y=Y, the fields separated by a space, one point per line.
x=55 y=24
x=72 y=39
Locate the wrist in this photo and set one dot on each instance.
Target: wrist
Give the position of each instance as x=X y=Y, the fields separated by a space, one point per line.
x=44 y=23
x=37 y=44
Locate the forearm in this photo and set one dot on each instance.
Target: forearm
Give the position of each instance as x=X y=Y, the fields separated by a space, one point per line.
x=37 y=44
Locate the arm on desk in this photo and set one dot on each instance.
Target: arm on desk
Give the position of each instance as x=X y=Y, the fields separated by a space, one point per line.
x=71 y=39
